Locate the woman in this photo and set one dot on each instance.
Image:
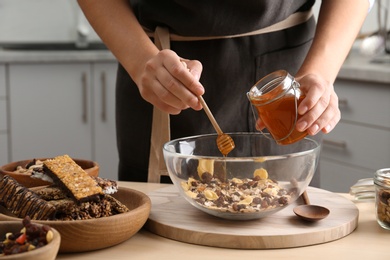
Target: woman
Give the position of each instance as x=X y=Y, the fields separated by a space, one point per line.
x=222 y=69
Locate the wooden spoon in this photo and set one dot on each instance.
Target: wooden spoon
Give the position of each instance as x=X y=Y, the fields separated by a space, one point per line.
x=310 y=212
x=225 y=142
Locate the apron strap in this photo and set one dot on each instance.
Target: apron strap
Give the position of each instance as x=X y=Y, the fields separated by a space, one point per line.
x=160 y=124
x=293 y=20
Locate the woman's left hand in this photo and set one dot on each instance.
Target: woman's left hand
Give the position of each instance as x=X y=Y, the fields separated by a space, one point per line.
x=319 y=109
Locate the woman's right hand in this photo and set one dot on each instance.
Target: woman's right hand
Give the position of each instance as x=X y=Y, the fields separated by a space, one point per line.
x=160 y=76
x=170 y=86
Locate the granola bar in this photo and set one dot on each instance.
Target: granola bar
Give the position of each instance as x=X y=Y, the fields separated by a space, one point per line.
x=51 y=192
x=71 y=177
x=107 y=206
x=22 y=201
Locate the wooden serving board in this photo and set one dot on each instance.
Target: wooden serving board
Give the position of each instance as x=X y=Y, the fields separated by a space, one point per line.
x=173 y=217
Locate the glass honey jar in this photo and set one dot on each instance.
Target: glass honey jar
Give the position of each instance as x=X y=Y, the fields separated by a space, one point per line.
x=276 y=98
x=382 y=197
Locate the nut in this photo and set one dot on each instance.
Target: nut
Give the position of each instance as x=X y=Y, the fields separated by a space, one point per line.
x=49 y=236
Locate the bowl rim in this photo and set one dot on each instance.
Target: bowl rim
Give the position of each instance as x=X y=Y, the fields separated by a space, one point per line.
x=19 y=162
x=227 y=158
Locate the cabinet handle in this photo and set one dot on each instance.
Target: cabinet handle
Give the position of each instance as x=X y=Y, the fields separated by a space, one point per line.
x=343 y=102
x=104 y=97
x=337 y=144
x=84 y=90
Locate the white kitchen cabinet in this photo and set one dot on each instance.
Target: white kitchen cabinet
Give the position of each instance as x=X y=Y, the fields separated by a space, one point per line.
x=55 y=109
x=3 y=117
x=340 y=176
x=364 y=103
x=360 y=143
x=50 y=108
x=105 y=149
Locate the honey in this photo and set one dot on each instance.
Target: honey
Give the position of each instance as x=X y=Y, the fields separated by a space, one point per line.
x=276 y=98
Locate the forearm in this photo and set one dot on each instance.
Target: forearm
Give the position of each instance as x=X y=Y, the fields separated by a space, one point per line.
x=117 y=26
x=338 y=24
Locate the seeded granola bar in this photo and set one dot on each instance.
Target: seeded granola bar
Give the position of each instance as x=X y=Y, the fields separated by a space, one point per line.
x=66 y=173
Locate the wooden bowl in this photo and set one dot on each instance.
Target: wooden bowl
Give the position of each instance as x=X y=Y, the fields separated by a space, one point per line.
x=92 y=234
x=47 y=252
x=91 y=167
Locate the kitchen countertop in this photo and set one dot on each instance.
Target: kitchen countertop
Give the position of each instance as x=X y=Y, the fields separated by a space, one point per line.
x=368 y=241
x=49 y=56
x=370 y=69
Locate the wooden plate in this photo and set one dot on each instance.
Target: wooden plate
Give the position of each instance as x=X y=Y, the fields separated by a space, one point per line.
x=90 y=167
x=173 y=217
x=92 y=234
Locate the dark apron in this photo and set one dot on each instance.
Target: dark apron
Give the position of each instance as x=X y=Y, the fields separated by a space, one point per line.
x=230 y=68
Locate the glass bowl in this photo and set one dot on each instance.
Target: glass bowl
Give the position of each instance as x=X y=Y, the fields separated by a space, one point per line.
x=258 y=178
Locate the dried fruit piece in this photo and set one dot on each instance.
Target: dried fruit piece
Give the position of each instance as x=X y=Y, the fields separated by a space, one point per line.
x=31 y=236
x=247 y=201
x=238 y=195
x=205 y=166
x=210 y=195
x=261 y=173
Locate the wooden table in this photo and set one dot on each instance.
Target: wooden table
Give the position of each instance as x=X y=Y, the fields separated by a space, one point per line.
x=368 y=241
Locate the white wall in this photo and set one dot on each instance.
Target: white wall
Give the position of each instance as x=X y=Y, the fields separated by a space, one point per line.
x=40 y=21
x=371 y=22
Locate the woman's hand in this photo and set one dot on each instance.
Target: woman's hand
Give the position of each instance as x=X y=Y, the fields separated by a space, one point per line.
x=319 y=109
x=170 y=86
x=335 y=34
x=160 y=76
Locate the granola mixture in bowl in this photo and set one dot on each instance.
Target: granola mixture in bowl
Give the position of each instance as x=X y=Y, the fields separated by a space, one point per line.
x=257 y=179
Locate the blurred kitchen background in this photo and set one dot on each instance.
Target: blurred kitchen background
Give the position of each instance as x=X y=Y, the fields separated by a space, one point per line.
x=44 y=22
x=57 y=87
